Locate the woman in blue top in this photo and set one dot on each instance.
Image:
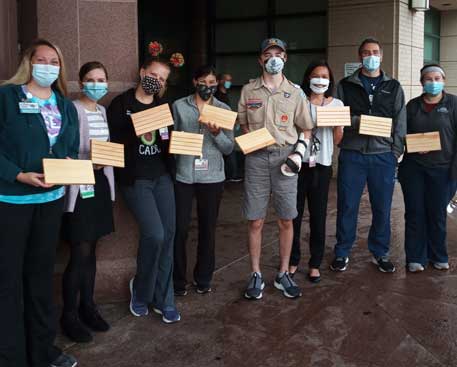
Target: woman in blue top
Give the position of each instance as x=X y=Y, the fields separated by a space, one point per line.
x=36 y=121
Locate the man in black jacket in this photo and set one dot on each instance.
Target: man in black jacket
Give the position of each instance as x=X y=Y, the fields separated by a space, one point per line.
x=368 y=160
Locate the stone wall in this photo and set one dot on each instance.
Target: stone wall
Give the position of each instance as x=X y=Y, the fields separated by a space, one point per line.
x=8 y=38
x=400 y=30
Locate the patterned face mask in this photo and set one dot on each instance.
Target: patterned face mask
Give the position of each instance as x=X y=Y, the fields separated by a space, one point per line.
x=206 y=92
x=274 y=65
x=151 y=85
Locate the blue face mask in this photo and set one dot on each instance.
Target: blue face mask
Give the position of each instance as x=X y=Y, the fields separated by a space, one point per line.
x=433 y=88
x=371 y=63
x=45 y=74
x=227 y=84
x=95 y=91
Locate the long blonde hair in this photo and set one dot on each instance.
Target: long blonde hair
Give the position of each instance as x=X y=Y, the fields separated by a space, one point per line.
x=24 y=72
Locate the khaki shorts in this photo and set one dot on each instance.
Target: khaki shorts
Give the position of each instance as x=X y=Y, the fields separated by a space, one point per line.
x=263 y=179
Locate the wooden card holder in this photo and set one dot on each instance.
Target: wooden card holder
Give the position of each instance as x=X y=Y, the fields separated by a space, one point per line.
x=255 y=140
x=423 y=142
x=221 y=117
x=105 y=153
x=333 y=116
x=68 y=172
x=186 y=143
x=375 y=126
x=152 y=119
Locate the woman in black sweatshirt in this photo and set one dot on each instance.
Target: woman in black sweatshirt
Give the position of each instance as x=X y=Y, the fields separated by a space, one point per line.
x=425 y=177
x=147 y=188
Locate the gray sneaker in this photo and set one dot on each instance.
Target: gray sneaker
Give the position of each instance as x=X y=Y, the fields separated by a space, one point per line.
x=441 y=266
x=415 y=267
x=287 y=285
x=255 y=287
x=64 y=360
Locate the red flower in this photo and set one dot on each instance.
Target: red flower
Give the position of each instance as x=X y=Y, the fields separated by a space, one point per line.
x=177 y=60
x=155 y=48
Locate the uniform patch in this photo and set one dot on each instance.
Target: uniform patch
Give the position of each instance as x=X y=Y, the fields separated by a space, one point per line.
x=253 y=104
x=284 y=118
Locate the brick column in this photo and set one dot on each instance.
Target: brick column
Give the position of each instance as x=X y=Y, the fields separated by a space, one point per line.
x=400 y=30
x=88 y=30
x=106 y=31
x=8 y=38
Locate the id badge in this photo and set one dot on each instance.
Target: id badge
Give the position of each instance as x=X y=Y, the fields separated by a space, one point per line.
x=201 y=164
x=164 y=133
x=29 y=107
x=86 y=191
x=312 y=161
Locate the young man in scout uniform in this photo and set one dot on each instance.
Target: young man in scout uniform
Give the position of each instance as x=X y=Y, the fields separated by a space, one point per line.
x=273 y=102
x=368 y=160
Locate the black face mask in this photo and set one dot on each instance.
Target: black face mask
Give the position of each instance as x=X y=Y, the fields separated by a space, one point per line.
x=206 y=92
x=151 y=85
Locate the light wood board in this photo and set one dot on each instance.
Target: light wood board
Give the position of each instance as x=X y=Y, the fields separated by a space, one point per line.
x=423 y=142
x=105 y=153
x=255 y=140
x=333 y=116
x=375 y=126
x=68 y=172
x=221 y=117
x=186 y=143
x=152 y=119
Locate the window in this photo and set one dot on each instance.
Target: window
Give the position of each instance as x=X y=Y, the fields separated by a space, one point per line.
x=432 y=36
x=239 y=26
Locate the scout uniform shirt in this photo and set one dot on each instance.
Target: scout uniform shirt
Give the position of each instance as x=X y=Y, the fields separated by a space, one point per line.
x=281 y=111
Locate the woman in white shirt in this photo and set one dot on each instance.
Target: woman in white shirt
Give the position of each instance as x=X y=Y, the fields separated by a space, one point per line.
x=89 y=213
x=316 y=171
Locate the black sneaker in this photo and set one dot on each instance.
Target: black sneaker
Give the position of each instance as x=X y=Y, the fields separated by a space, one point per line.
x=64 y=360
x=73 y=328
x=181 y=292
x=339 y=263
x=92 y=318
x=255 y=287
x=384 y=264
x=202 y=289
x=287 y=285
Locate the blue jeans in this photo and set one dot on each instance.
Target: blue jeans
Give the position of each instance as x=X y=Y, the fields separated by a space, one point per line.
x=355 y=170
x=152 y=203
x=426 y=193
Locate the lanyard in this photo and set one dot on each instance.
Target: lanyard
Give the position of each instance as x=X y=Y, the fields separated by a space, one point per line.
x=315 y=142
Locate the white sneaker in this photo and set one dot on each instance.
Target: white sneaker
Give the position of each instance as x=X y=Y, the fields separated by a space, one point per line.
x=415 y=267
x=441 y=266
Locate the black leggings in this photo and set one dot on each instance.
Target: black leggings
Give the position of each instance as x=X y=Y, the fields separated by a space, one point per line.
x=313 y=185
x=79 y=276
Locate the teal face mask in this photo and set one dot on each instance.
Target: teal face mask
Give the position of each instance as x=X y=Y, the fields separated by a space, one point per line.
x=433 y=88
x=227 y=84
x=371 y=63
x=45 y=74
x=95 y=91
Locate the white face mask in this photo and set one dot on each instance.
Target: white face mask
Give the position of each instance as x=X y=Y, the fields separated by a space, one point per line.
x=314 y=82
x=274 y=65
